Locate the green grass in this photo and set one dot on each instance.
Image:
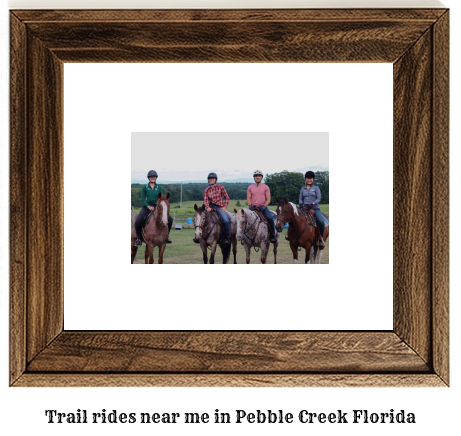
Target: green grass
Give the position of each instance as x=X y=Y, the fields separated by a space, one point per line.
x=188 y=207
x=184 y=251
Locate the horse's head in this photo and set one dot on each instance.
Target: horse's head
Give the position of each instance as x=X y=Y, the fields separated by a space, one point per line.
x=241 y=219
x=199 y=220
x=163 y=208
x=286 y=212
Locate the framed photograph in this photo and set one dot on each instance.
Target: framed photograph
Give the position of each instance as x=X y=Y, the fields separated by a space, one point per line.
x=415 y=352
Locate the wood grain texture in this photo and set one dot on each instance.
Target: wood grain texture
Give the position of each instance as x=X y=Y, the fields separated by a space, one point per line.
x=413 y=199
x=414 y=354
x=230 y=380
x=441 y=195
x=43 y=195
x=18 y=218
x=236 y=352
x=185 y=15
x=242 y=41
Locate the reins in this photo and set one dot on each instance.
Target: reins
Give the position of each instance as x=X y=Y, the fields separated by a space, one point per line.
x=252 y=239
x=202 y=228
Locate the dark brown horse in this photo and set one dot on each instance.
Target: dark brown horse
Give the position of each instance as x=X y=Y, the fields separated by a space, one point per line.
x=302 y=231
x=207 y=234
x=155 y=233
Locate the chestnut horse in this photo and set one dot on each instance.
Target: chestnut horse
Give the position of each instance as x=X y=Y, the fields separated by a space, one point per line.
x=301 y=232
x=254 y=233
x=155 y=233
x=207 y=232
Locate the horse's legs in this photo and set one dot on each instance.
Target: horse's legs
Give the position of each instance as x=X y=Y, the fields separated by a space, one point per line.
x=204 y=250
x=161 y=249
x=320 y=256
x=264 y=250
x=150 y=250
x=234 y=248
x=225 y=250
x=247 y=250
x=213 y=251
x=308 y=252
x=134 y=250
x=146 y=254
x=294 y=250
x=312 y=257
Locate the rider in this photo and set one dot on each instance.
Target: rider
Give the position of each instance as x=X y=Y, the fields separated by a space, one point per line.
x=310 y=196
x=215 y=196
x=149 y=197
x=259 y=197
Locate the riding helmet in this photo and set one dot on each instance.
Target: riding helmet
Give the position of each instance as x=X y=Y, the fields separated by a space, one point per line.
x=152 y=173
x=212 y=176
x=309 y=175
x=258 y=173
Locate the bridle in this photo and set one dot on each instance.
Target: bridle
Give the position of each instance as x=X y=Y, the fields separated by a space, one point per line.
x=202 y=225
x=309 y=220
x=287 y=221
x=245 y=228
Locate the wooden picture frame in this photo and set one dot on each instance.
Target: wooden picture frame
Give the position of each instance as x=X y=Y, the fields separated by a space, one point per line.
x=414 y=353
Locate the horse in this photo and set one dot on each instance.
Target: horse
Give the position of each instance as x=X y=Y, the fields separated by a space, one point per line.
x=302 y=231
x=326 y=233
x=253 y=231
x=208 y=229
x=155 y=233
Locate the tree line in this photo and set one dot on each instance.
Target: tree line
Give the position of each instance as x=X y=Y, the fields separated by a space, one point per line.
x=284 y=184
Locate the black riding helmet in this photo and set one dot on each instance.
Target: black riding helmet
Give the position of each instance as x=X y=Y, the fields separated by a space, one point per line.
x=152 y=173
x=309 y=175
x=212 y=176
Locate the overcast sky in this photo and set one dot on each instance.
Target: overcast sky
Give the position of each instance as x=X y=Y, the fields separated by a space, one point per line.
x=191 y=156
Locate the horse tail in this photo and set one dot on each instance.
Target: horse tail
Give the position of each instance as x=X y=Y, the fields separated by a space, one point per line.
x=226 y=253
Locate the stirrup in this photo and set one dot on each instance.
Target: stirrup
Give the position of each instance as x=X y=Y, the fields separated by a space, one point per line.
x=226 y=242
x=321 y=243
x=137 y=243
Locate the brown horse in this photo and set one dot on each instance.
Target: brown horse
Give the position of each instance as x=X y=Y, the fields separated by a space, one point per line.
x=155 y=233
x=302 y=231
x=326 y=233
x=207 y=231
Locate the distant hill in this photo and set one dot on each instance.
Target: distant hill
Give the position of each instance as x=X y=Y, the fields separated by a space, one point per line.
x=173 y=182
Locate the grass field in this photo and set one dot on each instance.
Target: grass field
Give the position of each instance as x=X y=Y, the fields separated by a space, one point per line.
x=184 y=250
x=188 y=207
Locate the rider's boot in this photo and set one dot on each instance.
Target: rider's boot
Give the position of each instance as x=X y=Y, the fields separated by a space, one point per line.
x=137 y=243
x=321 y=242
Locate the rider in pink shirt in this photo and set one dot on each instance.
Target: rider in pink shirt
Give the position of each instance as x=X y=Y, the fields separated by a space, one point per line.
x=259 y=197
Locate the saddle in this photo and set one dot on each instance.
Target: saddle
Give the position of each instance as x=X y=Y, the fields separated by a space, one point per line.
x=260 y=215
x=145 y=222
x=312 y=213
